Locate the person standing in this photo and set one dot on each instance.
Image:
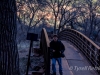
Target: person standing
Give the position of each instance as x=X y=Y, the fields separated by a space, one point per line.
x=57 y=48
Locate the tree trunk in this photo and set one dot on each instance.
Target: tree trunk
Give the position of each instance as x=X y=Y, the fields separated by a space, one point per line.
x=55 y=25
x=9 y=60
x=59 y=29
x=96 y=35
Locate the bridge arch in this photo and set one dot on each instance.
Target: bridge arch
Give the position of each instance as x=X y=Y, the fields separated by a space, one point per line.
x=84 y=44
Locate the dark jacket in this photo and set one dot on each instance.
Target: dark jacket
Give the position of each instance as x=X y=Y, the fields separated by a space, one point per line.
x=58 y=47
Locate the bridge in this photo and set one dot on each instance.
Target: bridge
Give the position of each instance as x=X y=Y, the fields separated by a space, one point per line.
x=82 y=55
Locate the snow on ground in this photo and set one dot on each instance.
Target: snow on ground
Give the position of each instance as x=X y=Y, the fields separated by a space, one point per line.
x=23 y=49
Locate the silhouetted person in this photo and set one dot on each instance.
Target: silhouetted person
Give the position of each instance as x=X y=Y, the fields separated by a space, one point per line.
x=57 y=49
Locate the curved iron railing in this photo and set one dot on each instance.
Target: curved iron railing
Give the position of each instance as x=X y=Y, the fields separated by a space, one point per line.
x=84 y=44
x=45 y=48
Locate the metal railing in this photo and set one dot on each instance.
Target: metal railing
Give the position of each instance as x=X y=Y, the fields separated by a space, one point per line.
x=84 y=44
x=44 y=45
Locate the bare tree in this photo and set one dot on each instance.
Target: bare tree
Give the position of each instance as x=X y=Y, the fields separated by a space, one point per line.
x=28 y=19
x=60 y=11
x=9 y=59
x=88 y=17
x=29 y=10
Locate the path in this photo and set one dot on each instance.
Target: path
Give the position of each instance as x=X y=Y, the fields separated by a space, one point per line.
x=74 y=63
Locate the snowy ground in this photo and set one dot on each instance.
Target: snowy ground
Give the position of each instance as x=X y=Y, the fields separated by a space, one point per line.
x=23 y=49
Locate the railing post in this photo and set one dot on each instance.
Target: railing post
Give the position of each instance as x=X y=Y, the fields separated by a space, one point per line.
x=46 y=51
x=48 y=63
